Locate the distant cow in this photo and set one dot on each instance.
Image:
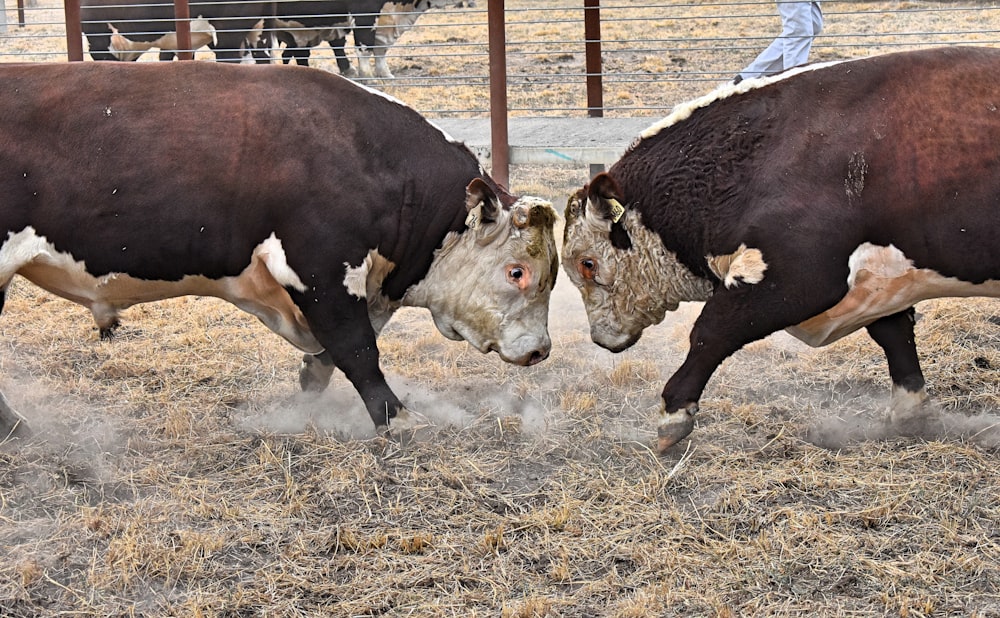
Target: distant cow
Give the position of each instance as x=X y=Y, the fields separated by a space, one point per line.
x=299 y=40
x=376 y=25
x=124 y=49
x=823 y=201
x=351 y=207
x=234 y=24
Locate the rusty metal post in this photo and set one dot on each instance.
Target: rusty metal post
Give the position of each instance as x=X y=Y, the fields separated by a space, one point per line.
x=74 y=33
x=20 y=13
x=592 y=50
x=182 y=25
x=499 y=137
x=595 y=69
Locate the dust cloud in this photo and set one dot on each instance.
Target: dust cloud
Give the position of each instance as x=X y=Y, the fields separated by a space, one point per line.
x=935 y=423
x=338 y=410
x=73 y=438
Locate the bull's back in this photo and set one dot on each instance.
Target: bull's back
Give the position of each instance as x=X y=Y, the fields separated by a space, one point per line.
x=918 y=158
x=900 y=149
x=185 y=167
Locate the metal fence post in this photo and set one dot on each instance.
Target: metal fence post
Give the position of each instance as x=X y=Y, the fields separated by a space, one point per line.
x=500 y=145
x=182 y=25
x=595 y=69
x=74 y=35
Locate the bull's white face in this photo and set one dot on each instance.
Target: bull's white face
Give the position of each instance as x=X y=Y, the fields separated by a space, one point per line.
x=491 y=284
x=624 y=290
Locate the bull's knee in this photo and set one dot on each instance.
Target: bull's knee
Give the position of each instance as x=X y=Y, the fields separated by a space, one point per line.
x=316 y=371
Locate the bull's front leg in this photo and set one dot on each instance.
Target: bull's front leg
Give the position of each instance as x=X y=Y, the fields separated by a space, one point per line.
x=364 y=63
x=679 y=402
x=381 y=66
x=350 y=342
x=343 y=62
x=731 y=319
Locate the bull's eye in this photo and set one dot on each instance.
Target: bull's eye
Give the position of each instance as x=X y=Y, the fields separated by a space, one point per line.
x=587 y=268
x=518 y=276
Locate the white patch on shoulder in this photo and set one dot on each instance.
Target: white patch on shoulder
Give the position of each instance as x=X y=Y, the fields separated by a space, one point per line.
x=742 y=266
x=356 y=278
x=365 y=279
x=682 y=111
x=273 y=255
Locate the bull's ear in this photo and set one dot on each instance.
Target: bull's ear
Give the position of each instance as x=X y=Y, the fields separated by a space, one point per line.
x=481 y=202
x=604 y=198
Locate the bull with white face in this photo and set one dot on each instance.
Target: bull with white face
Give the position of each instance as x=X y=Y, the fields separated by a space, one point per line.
x=821 y=201
x=312 y=203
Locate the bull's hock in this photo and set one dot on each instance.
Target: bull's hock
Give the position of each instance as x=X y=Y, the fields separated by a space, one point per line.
x=551 y=141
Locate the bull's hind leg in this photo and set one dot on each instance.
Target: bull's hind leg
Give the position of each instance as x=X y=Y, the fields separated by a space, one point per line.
x=894 y=334
x=11 y=423
x=316 y=371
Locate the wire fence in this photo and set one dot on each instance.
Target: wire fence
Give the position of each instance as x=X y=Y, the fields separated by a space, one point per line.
x=654 y=54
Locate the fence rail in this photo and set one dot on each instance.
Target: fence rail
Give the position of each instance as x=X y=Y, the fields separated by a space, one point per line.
x=675 y=50
x=653 y=55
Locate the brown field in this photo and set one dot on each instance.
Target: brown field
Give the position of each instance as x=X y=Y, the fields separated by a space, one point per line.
x=177 y=470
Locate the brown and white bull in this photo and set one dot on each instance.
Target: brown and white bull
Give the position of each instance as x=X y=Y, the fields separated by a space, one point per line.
x=376 y=25
x=310 y=202
x=122 y=48
x=822 y=201
x=114 y=28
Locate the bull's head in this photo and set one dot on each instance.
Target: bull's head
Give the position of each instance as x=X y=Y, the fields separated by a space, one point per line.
x=490 y=284
x=628 y=279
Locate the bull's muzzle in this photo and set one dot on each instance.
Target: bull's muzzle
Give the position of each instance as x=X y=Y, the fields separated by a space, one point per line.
x=614 y=343
x=526 y=351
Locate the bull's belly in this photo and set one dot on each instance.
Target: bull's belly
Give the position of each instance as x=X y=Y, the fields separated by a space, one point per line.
x=255 y=290
x=882 y=282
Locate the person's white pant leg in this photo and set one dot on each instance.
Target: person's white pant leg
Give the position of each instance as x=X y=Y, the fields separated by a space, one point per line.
x=800 y=22
x=799 y=26
x=767 y=62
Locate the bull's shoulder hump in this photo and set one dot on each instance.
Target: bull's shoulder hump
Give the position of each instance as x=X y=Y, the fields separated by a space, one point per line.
x=683 y=111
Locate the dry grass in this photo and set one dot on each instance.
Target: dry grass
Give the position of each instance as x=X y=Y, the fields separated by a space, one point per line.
x=178 y=472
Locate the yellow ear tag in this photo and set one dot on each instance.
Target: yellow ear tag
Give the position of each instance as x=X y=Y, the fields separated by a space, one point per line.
x=617 y=210
x=472 y=220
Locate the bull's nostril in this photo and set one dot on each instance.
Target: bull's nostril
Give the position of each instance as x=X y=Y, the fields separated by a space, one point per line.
x=536 y=357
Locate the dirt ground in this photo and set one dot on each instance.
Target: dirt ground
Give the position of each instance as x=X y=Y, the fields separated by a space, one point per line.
x=178 y=471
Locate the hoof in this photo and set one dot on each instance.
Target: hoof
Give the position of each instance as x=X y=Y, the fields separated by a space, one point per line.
x=107 y=333
x=911 y=414
x=404 y=425
x=674 y=426
x=908 y=407
x=408 y=420
x=315 y=373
